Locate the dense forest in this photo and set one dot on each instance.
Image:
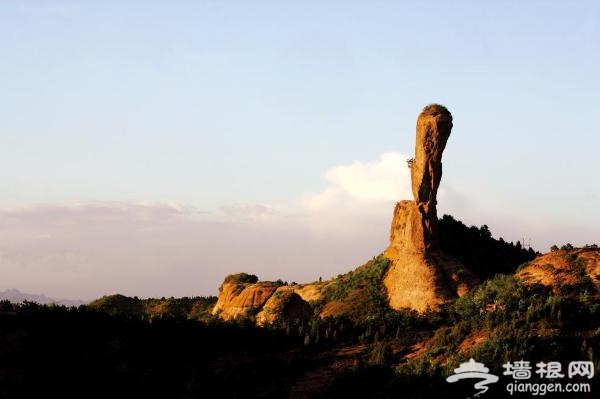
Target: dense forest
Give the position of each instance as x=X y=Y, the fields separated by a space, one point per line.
x=479 y=251
x=74 y=352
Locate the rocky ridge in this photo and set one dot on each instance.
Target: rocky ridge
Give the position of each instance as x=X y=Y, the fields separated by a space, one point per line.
x=242 y=295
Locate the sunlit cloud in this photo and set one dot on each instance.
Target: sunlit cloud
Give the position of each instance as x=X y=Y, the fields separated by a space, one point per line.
x=364 y=183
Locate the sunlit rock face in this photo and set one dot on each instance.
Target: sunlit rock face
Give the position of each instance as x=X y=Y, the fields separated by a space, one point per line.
x=242 y=295
x=421 y=276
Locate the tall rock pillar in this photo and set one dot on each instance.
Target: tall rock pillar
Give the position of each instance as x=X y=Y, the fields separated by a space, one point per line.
x=421 y=276
x=414 y=227
x=434 y=125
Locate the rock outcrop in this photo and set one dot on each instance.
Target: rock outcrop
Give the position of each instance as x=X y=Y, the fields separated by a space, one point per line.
x=284 y=305
x=414 y=226
x=242 y=295
x=421 y=275
x=234 y=302
x=579 y=268
x=434 y=125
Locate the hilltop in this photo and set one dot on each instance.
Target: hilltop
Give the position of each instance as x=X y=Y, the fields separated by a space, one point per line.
x=14 y=295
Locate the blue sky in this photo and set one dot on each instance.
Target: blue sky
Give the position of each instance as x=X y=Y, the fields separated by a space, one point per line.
x=228 y=108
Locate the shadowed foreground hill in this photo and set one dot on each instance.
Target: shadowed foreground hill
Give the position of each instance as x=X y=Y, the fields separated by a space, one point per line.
x=195 y=308
x=54 y=351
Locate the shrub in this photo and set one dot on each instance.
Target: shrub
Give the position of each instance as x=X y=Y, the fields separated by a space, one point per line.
x=434 y=109
x=241 y=278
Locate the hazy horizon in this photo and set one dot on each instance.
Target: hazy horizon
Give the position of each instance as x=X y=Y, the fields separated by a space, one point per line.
x=152 y=150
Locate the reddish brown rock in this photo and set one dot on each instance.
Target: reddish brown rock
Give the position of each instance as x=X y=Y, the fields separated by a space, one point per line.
x=240 y=294
x=284 y=305
x=408 y=229
x=434 y=126
x=420 y=275
x=564 y=268
x=414 y=226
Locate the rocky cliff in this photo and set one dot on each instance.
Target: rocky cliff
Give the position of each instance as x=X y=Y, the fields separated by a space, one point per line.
x=421 y=276
x=234 y=302
x=242 y=295
x=284 y=305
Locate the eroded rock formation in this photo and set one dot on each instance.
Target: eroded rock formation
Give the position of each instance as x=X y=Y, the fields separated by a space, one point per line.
x=421 y=276
x=414 y=226
x=284 y=305
x=242 y=295
x=237 y=300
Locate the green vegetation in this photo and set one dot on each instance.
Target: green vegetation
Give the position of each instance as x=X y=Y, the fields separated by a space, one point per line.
x=119 y=305
x=367 y=277
x=434 y=109
x=362 y=289
x=241 y=278
x=197 y=308
x=479 y=251
x=569 y=247
x=584 y=283
x=500 y=321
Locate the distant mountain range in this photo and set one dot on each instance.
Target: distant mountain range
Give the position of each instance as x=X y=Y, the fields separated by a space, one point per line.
x=16 y=296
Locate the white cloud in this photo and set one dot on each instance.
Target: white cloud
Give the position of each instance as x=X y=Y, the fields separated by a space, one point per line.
x=365 y=183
